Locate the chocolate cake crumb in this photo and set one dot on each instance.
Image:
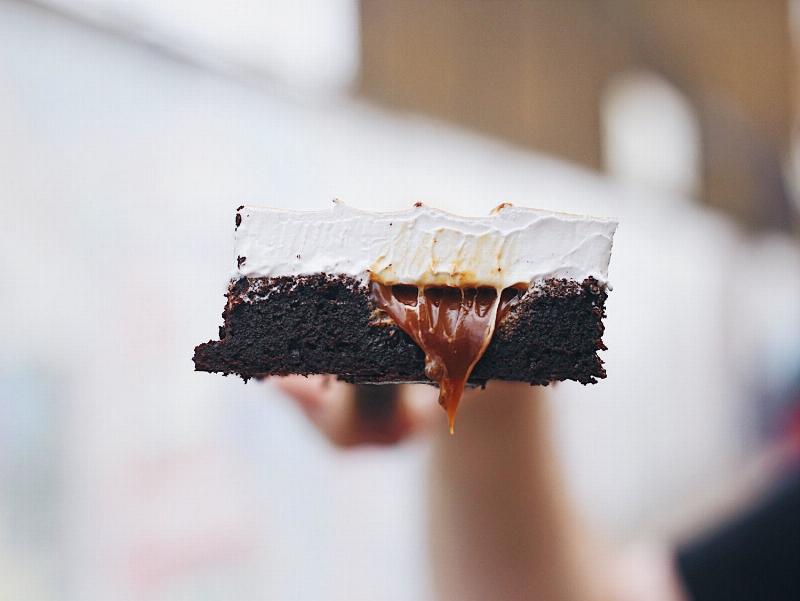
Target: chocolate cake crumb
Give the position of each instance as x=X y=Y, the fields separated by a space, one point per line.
x=240 y=261
x=323 y=324
x=238 y=219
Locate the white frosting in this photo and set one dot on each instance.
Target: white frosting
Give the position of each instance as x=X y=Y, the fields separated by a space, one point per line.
x=422 y=245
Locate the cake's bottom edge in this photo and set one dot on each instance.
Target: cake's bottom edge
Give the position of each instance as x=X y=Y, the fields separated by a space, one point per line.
x=328 y=324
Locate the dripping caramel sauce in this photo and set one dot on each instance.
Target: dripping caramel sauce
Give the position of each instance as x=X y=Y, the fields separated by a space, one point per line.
x=452 y=326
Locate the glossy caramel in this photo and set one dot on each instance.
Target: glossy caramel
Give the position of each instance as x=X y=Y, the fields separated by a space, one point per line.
x=452 y=326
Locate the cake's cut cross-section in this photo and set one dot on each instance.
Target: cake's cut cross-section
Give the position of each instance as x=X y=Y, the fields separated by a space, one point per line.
x=414 y=296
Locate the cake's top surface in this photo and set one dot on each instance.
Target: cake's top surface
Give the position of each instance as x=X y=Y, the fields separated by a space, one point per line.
x=424 y=246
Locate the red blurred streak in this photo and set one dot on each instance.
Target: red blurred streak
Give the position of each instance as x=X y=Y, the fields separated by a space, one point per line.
x=153 y=565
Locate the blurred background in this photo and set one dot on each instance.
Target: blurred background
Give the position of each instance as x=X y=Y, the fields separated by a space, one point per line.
x=131 y=129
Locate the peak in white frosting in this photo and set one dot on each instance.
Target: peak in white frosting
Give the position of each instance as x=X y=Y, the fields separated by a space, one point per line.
x=424 y=246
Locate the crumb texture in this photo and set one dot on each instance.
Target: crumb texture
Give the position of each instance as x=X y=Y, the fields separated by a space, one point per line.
x=324 y=324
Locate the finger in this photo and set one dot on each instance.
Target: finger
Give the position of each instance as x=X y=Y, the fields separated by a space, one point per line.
x=420 y=403
x=312 y=392
x=346 y=418
x=414 y=408
x=368 y=414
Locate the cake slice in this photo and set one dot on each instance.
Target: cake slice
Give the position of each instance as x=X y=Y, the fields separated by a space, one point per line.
x=419 y=295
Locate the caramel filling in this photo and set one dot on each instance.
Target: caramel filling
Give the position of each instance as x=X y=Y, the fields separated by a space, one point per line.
x=452 y=326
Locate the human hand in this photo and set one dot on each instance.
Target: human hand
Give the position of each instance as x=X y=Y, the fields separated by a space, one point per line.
x=350 y=415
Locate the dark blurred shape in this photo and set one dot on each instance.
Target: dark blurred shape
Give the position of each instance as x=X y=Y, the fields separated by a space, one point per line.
x=534 y=73
x=753 y=557
x=376 y=402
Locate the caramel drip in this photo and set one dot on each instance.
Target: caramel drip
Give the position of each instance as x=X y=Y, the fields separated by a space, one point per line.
x=452 y=326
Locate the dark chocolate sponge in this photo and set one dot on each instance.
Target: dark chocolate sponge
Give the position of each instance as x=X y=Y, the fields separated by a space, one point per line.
x=327 y=324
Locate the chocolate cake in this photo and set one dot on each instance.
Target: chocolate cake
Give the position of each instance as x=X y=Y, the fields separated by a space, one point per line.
x=415 y=296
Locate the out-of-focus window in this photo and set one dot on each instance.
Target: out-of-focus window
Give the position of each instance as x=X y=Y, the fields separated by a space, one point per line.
x=650 y=135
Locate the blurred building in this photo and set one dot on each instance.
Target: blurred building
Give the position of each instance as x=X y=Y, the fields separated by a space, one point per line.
x=537 y=73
